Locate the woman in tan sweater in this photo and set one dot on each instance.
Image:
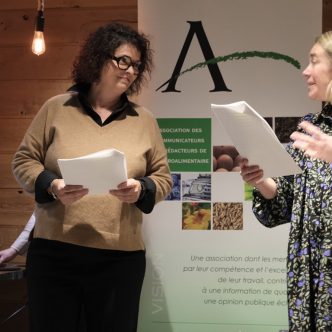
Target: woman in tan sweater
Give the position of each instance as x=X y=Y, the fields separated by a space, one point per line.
x=87 y=252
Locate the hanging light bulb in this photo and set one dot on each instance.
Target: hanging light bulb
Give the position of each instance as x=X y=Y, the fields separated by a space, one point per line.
x=38 y=43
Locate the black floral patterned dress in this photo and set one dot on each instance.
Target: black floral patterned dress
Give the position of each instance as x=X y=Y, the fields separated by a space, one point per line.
x=305 y=200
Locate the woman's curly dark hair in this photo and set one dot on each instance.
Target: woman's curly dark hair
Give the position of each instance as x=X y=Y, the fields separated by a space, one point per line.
x=101 y=45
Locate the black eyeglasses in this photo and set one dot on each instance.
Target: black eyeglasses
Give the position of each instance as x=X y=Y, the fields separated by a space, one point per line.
x=124 y=62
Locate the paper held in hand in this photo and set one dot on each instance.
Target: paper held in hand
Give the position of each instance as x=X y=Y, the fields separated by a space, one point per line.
x=254 y=139
x=99 y=171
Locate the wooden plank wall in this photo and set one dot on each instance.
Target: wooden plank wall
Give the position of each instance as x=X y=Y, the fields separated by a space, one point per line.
x=327 y=15
x=27 y=80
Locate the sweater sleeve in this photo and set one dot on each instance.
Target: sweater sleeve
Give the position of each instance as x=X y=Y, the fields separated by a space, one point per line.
x=157 y=166
x=147 y=199
x=42 y=183
x=28 y=161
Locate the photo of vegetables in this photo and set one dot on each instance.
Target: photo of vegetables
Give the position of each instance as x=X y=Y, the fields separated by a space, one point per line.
x=196 y=216
x=226 y=158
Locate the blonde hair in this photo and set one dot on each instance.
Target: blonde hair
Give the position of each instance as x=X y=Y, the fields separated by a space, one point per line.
x=325 y=40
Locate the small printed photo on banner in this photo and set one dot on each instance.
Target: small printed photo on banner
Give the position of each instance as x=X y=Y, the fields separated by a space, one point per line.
x=227 y=216
x=269 y=120
x=196 y=186
x=284 y=126
x=196 y=216
x=175 y=194
x=248 y=192
x=226 y=158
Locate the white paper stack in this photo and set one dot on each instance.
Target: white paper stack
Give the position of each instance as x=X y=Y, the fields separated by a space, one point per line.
x=254 y=139
x=99 y=172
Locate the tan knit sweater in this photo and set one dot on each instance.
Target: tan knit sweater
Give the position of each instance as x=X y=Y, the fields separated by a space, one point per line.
x=62 y=129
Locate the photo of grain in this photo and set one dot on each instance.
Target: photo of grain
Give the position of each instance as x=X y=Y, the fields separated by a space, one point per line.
x=284 y=127
x=196 y=216
x=227 y=216
x=226 y=158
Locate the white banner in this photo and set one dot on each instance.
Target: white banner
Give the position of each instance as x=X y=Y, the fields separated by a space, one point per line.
x=211 y=266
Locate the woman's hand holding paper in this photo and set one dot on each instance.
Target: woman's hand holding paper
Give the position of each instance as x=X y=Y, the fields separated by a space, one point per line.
x=128 y=191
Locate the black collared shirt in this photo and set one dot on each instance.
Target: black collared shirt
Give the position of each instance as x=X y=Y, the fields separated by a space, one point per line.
x=123 y=105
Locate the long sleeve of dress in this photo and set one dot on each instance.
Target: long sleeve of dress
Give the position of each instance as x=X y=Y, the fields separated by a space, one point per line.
x=277 y=211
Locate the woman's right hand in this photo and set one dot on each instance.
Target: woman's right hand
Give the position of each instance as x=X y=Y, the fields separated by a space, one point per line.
x=67 y=194
x=253 y=175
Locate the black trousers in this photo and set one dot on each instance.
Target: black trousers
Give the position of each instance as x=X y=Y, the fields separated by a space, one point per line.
x=69 y=284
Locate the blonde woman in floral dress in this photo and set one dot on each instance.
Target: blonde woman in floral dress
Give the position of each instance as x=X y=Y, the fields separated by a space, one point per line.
x=305 y=201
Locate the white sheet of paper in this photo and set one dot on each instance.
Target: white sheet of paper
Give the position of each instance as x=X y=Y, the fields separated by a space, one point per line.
x=254 y=139
x=99 y=171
